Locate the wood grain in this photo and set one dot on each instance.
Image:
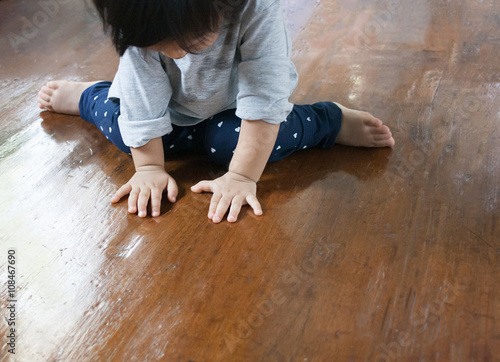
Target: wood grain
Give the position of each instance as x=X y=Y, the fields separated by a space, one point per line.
x=361 y=255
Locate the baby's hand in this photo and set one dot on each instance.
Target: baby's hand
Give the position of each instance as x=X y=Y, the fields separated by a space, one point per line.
x=147 y=182
x=232 y=190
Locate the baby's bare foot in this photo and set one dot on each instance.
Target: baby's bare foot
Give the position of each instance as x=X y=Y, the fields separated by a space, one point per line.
x=361 y=129
x=62 y=96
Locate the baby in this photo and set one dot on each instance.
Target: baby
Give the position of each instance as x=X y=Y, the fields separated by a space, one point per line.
x=207 y=75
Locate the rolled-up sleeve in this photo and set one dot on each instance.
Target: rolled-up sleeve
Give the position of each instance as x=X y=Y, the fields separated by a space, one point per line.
x=144 y=91
x=266 y=75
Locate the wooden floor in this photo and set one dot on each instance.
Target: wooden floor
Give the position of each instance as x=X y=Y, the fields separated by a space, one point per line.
x=361 y=255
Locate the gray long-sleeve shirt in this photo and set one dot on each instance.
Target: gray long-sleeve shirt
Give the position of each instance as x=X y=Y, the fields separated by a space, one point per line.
x=247 y=68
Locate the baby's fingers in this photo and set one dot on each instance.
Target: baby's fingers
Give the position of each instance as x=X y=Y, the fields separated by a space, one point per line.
x=202 y=186
x=254 y=204
x=132 y=200
x=142 y=203
x=122 y=191
x=235 y=209
x=156 y=195
x=172 y=190
x=213 y=204
x=222 y=207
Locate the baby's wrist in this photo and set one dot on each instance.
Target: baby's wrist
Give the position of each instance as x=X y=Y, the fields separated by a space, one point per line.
x=144 y=168
x=241 y=176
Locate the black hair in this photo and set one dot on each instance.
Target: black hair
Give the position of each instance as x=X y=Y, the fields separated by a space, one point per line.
x=143 y=23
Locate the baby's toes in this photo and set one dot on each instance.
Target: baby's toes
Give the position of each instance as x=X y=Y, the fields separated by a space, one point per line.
x=372 y=121
x=381 y=137
x=44 y=96
x=382 y=130
x=379 y=130
x=47 y=90
x=43 y=101
x=390 y=142
x=52 y=84
x=43 y=105
x=384 y=143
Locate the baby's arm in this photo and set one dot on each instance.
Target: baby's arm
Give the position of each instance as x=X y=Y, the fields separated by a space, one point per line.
x=255 y=145
x=238 y=186
x=149 y=180
x=144 y=90
x=266 y=79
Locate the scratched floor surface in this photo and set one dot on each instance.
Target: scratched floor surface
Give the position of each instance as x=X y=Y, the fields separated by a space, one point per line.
x=361 y=255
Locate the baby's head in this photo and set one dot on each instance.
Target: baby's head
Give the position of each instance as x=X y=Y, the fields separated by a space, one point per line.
x=175 y=27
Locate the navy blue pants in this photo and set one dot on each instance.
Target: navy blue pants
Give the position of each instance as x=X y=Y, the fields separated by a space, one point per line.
x=307 y=126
